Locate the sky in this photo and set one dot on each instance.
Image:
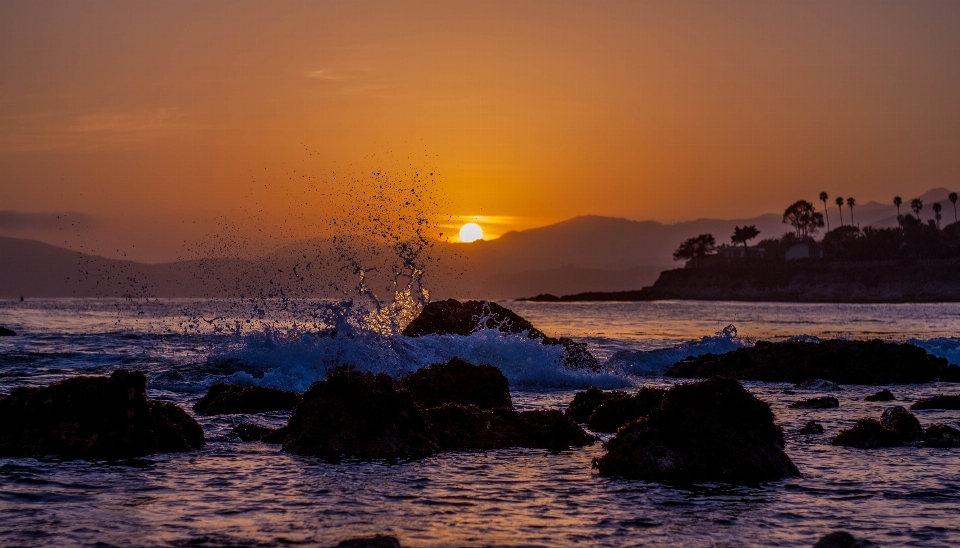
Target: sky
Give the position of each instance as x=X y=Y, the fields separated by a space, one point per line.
x=161 y=124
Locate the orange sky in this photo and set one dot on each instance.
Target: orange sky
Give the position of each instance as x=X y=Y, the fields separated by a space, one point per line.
x=161 y=117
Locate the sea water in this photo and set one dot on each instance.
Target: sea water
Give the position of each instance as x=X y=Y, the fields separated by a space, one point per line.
x=252 y=494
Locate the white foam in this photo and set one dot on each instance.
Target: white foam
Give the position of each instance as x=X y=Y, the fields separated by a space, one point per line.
x=945 y=347
x=656 y=362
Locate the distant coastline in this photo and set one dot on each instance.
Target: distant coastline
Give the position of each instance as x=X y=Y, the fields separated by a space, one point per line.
x=814 y=281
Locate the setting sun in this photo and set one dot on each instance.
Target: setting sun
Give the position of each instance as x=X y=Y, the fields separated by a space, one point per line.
x=471 y=232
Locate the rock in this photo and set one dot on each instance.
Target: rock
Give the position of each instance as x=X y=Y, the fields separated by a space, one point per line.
x=469 y=428
x=252 y=432
x=94 y=418
x=4 y=332
x=229 y=399
x=883 y=395
x=458 y=381
x=896 y=426
x=941 y=435
x=937 y=402
x=451 y=317
x=712 y=430
x=376 y=541
x=902 y=422
x=839 y=361
x=843 y=539
x=278 y=436
x=551 y=429
x=812 y=427
x=585 y=403
x=825 y=402
x=819 y=384
x=359 y=415
x=616 y=412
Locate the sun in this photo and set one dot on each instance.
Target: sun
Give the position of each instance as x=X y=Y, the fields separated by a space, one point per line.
x=471 y=232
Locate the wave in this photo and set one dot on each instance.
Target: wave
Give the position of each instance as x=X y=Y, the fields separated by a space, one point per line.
x=944 y=347
x=656 y=362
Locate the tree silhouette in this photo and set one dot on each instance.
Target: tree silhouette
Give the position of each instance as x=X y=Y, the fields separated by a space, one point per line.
x=804 y=219
x=851 y=202
x=936 y=213
x=953 y=199
x=839 y=202
x=695 y=248
x=743 y=235
x=916 y=205
x=898 y=201
x=823 y=198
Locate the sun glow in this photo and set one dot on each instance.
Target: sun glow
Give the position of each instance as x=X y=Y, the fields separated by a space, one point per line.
x=471 y=232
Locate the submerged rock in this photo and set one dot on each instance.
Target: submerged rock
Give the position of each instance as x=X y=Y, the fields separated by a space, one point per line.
x=469 y=428
x=94 y=418
x=230 y=399
x=819 y=384
x=616 y=412
x=811 y=428
x=902 y=422
x=4 y=332
x=941 y=435
x=586 y=402
x=253 y=432
x=839 y=361
x=376 y=541
x=883 y=395
x=937 y=402
x=843 y=539
x=825 y=402
x=458 y=381
x=452 y=317
x=896 y=426
x=712 y=430
x=359 y=415
x=551 y=429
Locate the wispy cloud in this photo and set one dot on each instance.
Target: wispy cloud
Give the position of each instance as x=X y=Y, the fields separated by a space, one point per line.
x=324 y=74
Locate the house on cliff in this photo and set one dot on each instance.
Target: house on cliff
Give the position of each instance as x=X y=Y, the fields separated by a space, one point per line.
x=804 y=250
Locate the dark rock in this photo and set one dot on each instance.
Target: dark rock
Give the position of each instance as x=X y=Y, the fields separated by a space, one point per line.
x=883 y=395
x=818 y=384
x=843 y=539
x=896 y=426
x=251 y=432
x=585 y=403
x=902 y=422
x=712 y=430
x=551 y=429
x=840 y=361
x=458 y=381
x=812 y=427
x=451 y=317
x=4 y=332
x=825 y=402
x=469 y=428
x=356 y=414
x=278 y=436
x=937 y=402
x=229 y=399
x=376 y=541
x=616 y=412
x=941 y=435
x=94 y=418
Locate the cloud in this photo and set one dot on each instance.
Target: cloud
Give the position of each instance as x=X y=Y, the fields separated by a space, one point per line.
x=19 y=221
x=323 y=74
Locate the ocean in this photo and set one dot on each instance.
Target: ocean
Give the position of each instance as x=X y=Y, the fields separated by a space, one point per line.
x=232 y=493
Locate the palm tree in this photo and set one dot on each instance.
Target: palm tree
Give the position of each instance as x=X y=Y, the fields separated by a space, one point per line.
x=898 y=201
x=936 y=213
x=953 y=199
x=916 y=205
x=824 y=198
x=839 y=202
x=851 y=202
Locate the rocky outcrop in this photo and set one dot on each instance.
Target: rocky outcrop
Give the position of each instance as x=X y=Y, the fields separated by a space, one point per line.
x=586 y=402
x=94 y=418
x=883 y=395
x=254 y=432
x=376 y=541
x=458 y=381
x=230 y=399
x=615 y=412
x=359 y=415
x=819 y=385
x=843 y=539
x=937 y=402
x=712 y=430
x=469 y=428
x=896 y=426
x=840 y=361
x=826 y=402
x=812 y=428
x=941 y=435
x=452 y=317
x=4 y=332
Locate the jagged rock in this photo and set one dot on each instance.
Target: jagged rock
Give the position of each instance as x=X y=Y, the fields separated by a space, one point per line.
x=896 y=426
x=469 y=428
x=616 y=412
x=229 y=399
x=819 y=384
x=253 y=432
x=376 y=541
x=840 y=361
x=4 y=332
x=937 y=402
x=458 y=381
x=843 y=539
x=94 y=418
x=812 y=427
x=712 y=430
x=941 y=435
x=902 y=422
x=451 y=317
x=360 y=415
x=585 y=403
x=883 y=395
x=278 y=436
x=825 y=402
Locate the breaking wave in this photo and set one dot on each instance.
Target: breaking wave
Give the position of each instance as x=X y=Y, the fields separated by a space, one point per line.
x=656 y=362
